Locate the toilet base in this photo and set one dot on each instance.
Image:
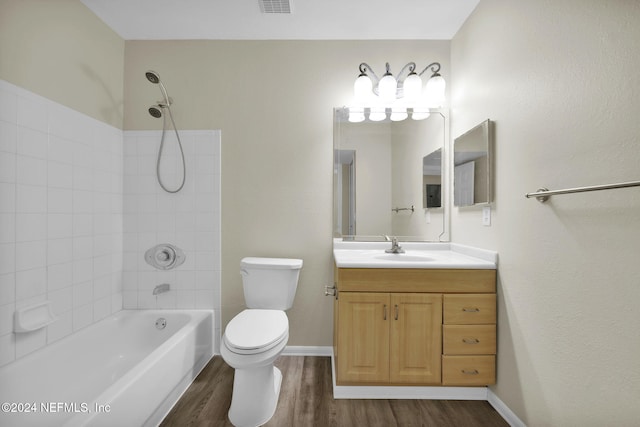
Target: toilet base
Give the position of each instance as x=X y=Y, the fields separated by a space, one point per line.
x=255 y=395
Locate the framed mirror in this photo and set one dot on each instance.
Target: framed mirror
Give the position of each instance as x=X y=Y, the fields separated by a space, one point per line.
x=472 y=159
x=388 y=178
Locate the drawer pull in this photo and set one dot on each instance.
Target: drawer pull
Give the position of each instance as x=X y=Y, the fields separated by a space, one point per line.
x=470 y=309
x=396 y=309
x=470 y=372
x=385 y=312
x=470 y=340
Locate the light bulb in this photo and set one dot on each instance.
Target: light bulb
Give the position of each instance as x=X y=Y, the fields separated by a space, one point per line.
x=420 y=113
x=387 y=88
x=412 y=87
x=356 y=114
x=398 y=113
x=362 y=88
x=377 y=114
x=435 y=90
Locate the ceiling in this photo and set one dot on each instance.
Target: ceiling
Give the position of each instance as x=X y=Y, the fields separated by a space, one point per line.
x=308 y=20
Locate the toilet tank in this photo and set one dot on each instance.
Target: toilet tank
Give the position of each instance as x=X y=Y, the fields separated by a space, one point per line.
x=270 y=283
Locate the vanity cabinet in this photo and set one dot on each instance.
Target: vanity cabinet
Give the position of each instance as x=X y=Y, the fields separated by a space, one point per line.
x=414 y=326
x=389 y=337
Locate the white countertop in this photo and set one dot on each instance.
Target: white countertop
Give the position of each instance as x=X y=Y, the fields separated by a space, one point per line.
x=417 y=255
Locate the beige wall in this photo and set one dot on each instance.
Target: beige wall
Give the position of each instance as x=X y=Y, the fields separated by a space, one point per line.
x=60 y=50
x=560 y=79
x=273 y=101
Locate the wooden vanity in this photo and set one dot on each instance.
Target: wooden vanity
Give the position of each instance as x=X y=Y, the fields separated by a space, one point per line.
x=415 y=326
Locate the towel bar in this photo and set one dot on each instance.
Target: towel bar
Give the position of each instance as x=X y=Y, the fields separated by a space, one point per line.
x=543 y=194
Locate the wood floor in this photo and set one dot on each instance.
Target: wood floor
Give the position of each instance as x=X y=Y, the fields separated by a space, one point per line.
x=306 y=399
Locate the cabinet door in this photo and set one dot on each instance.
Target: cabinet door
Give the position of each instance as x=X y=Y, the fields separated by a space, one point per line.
x=416 y=338
x=363 y=337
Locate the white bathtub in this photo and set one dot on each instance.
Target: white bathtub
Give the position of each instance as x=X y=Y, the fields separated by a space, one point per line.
x=121 y=371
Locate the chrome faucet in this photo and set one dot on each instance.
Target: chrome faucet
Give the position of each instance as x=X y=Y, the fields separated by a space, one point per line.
x=395 y=248
x=161 y=289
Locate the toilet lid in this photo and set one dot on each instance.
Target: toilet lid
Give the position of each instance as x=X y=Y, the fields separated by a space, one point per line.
x=256 y=329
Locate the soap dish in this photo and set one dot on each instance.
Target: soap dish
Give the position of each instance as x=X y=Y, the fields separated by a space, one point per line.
x=33 y=317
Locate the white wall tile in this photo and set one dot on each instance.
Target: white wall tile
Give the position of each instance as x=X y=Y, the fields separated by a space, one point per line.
x=31 y=255
x=8 y=106
x=8 y=137
x=7 y=258
x=7 y=197
x=7 y=347
x=59 y=251
x=6 y=318
x=7 y=288
x=27 y=343
x=60 y=172
x=31 y=199
x=32 y=112
x=7 y=167
x=32 y=143
x=62 y=327
x=189 y=219
x=31 y=283
x=7 y=228
x=60 y=276
x=31 y=226
x=82 y=316
x=59 y=225
x=31 y=171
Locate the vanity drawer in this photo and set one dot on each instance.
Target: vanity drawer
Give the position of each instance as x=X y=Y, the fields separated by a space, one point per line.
x=469 y=309
x=469 y=339
x=468 y=370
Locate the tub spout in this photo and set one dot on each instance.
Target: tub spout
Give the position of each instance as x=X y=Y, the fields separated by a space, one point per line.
x=160 y=289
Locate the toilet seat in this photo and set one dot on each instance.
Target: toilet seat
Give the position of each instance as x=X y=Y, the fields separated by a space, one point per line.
x=256 y=330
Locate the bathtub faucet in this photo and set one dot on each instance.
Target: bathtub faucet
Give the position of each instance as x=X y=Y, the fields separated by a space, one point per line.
x=160 y=289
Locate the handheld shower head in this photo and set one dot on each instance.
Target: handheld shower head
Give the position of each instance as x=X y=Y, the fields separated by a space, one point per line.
x=154 y=78
x=155 y=111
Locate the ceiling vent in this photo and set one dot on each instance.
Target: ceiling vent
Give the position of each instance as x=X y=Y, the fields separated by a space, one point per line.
x=275 y=6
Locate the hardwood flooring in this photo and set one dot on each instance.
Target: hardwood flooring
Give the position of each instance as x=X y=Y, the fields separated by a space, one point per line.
x=306 y=399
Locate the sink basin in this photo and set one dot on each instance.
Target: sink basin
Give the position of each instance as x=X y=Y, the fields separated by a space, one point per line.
x=404 y=258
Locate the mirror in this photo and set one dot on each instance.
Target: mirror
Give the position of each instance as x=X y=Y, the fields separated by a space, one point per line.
x=472 y=166
x=388 y=178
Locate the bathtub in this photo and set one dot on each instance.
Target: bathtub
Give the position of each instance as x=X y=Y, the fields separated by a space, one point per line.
x=122 y=371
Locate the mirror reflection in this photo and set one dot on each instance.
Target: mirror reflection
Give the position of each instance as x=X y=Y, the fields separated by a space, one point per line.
x=388 y=178
x=472 y=166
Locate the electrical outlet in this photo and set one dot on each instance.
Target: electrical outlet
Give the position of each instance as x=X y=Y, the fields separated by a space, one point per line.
x=486 y=216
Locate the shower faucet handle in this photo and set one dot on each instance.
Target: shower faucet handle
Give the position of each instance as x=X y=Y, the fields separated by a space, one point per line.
x=165 y=256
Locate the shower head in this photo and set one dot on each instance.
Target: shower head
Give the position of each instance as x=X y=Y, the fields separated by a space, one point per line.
x=155 y=111
x=154 y=78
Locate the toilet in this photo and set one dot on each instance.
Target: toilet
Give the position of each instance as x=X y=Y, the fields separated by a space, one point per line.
x=255 y=338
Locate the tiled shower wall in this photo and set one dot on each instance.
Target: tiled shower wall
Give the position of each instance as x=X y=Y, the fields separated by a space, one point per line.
x=189 y=219
x=61 y=202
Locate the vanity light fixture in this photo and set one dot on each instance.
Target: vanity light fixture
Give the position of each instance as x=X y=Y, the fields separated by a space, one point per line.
x=396 y=95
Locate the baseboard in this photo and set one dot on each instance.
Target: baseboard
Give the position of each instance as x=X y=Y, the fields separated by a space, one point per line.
x=504 y=410
x=295 y=350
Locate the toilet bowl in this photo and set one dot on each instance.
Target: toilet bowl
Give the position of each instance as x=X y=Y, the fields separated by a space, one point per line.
x=254 y=338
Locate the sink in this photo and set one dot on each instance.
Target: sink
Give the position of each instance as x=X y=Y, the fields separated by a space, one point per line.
x=404 y=258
